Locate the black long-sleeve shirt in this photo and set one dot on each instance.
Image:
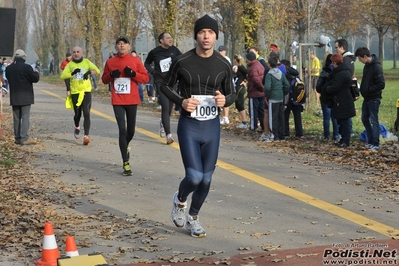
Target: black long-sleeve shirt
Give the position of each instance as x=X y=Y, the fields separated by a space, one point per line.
x=162 y=58
x=199 y=76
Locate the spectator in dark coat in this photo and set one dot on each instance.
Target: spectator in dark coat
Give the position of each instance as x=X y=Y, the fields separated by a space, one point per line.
x=321 y=82
x=343 y=107
x=373 y=83
x=256 y=94
x=21 y=76
x=296 y=110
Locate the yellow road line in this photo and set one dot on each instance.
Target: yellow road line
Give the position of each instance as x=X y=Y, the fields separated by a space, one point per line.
x=315 y=202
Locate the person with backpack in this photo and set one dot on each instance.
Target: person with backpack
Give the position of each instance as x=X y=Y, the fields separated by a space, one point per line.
x=325 y=107
x=291 y=104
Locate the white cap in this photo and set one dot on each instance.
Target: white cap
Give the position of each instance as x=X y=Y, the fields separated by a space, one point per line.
x=20 y=53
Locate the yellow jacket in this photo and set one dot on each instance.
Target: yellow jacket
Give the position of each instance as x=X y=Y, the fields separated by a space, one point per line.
x=79 y=85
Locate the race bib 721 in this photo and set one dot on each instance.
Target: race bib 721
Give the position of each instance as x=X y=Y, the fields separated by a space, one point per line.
x=122 y=85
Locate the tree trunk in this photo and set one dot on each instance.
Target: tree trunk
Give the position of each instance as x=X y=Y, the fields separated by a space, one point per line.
x=380 y=46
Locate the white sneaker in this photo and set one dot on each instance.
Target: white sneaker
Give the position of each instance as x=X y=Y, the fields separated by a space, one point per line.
x=169 y=139
x=224 y=121
x=178 y=214
x=161 y=129
x=76 y=132
x=193 y=225
x=265 y=137
x=242 y=125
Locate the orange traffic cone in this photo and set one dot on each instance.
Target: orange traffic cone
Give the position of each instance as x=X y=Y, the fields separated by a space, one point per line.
x=71 y=250
x=50 y=252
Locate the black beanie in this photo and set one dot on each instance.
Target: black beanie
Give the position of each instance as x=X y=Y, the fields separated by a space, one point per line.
x=251 y=56
x=206 y=22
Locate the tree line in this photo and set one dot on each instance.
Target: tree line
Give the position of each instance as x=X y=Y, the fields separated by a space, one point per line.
x=55 y=26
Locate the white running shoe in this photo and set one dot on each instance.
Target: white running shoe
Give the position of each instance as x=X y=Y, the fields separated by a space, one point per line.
x=193 y=225
x=76 y=132
x=161 y=129
x=224 y=121
x=242 y=125
x=178 y=214
x=169 y=139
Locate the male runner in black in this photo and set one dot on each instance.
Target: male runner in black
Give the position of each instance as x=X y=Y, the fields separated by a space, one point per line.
x=206 y=84
x=162 y=57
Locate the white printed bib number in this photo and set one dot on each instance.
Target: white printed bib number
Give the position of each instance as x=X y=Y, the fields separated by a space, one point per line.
x=122 y=85
x=165 y=64
x=207 y=108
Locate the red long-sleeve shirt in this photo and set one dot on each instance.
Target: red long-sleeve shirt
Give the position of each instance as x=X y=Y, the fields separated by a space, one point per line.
x=119 y=63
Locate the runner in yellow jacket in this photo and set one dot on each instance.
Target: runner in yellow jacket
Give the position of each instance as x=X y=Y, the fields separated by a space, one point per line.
x=78 y=71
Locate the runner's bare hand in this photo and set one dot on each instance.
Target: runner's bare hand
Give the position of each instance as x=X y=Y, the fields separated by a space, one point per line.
x=220 y=99
x=190 y=104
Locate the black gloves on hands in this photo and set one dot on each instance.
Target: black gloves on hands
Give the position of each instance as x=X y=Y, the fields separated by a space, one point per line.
x=115 y=74
x=75 y=71
x=86 y=75
x=129 y=72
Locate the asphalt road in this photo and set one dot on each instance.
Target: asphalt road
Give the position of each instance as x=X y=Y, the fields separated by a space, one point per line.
x=261 y=199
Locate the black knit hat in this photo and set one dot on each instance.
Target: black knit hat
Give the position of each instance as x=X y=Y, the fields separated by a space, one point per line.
x=206 y=22
x=251 y=56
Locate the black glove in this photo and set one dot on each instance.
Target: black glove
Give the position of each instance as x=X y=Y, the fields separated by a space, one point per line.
x=86 y=75
x=129 y=72
x=115 y=74
x=75 y=71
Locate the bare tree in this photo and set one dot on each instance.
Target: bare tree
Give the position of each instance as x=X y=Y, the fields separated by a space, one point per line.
x=231 y=27
x=378 y=15
x=21 y=27
x=40 y=10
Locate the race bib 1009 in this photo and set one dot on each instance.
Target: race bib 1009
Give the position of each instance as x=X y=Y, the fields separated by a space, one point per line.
x=207 y=108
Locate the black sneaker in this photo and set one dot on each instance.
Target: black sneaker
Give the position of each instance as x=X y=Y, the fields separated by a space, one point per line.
x=76 y=132
x=126 y=169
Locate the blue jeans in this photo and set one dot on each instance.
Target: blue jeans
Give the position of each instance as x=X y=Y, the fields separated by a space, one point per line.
x=370 y=121
x=199 y=148
x=326 y=122
x=150 y=89
x=141 y=92
x=344 y=130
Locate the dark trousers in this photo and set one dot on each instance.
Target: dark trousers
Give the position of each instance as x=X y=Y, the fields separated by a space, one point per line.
x=21 y=115
x=85 y=108
x=256 y=112
x=126 y=129
x=276 y=120
x=167 y=107
x=297 y=112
